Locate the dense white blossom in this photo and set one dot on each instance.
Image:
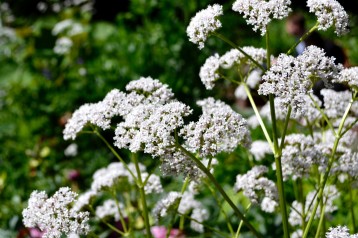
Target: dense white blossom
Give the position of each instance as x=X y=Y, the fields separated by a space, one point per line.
x=299 y=155
x=110 y=208
x=84 y=200
x=153 y=184
x=219 y=129
x=107 y=177
x=291 y=78
x=257 y=188
x=68 y=27
x=235 y=57
x=335 y=103
x=339 y=232
x=175 y=162
x=347 y=163
x=330 y=193
x=329 y=13
x=350 y=77
x=53 y=215
x=203 y=23
x=259 y=149
x=63 y=45
x=144 y=92
x=150 y=127
x=209 y=71
x=259 y=13
x=166 y=204
x=154 y=91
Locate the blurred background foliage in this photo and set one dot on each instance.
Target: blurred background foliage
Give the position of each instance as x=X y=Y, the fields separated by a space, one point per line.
x=112 y=43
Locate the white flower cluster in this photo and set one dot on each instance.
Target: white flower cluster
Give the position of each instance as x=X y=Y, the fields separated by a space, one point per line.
x=330 y=193
x=185 y=203
x=110 y=208
x=219 y=129
x=335 y=103
x=299 y=155
x=339 y=232
x=203 y=23
x=329 y=13
x=259 y=149
x=63 y=45
x=350 y=77
x=166 y=204
x=176 y=162
x=290 y=79
x=209 y=72
x=68 y=27
x=235 y=57
x=253 y=184
x=53 y=215
x=348 y=163
x=116 y=103
x=150 y=128
x=259 y=13
x=198 y=212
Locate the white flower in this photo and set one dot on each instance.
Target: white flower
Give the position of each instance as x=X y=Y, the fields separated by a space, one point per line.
x=209 y=71
x=84 y=200
x=219 y=129
x=339 y=232
x=199 y=213
x=152 y=89
x=290 y=79
x=153 y=184
x=63 y=45
x=203 y=23
x=259 y=149
x=71 y=150
x=349 y=76
x=329 y=13
x=253 y=184
x=53 y=215
x=335 y=103
x=110 y=208
x=175 y=163
x=299 y=155
x=259 y=12
x=150 y=128
x=166 y=204
x=330 y=193
x=108 y=176
x=240 y=92
x=235 y=57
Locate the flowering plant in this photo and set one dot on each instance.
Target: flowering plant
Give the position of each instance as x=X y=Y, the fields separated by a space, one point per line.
x=311 y=142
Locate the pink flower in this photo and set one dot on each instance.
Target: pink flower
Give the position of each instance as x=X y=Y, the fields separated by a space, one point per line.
x=161 y=231
x=35 y=233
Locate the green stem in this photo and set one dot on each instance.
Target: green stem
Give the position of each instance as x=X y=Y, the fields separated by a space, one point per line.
x=185 y=185
x=240 y=224
x=121 y=217
x=221 y=209
x=143 y=199
x=277 y=152
x=258 y=116
x=351 y=204
x=321 y=219
x=304 y=37
x=115 y=153
x=323 y=114
x=330 y=163
x=285 y=128
x=220 y=189
x=232 y=44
